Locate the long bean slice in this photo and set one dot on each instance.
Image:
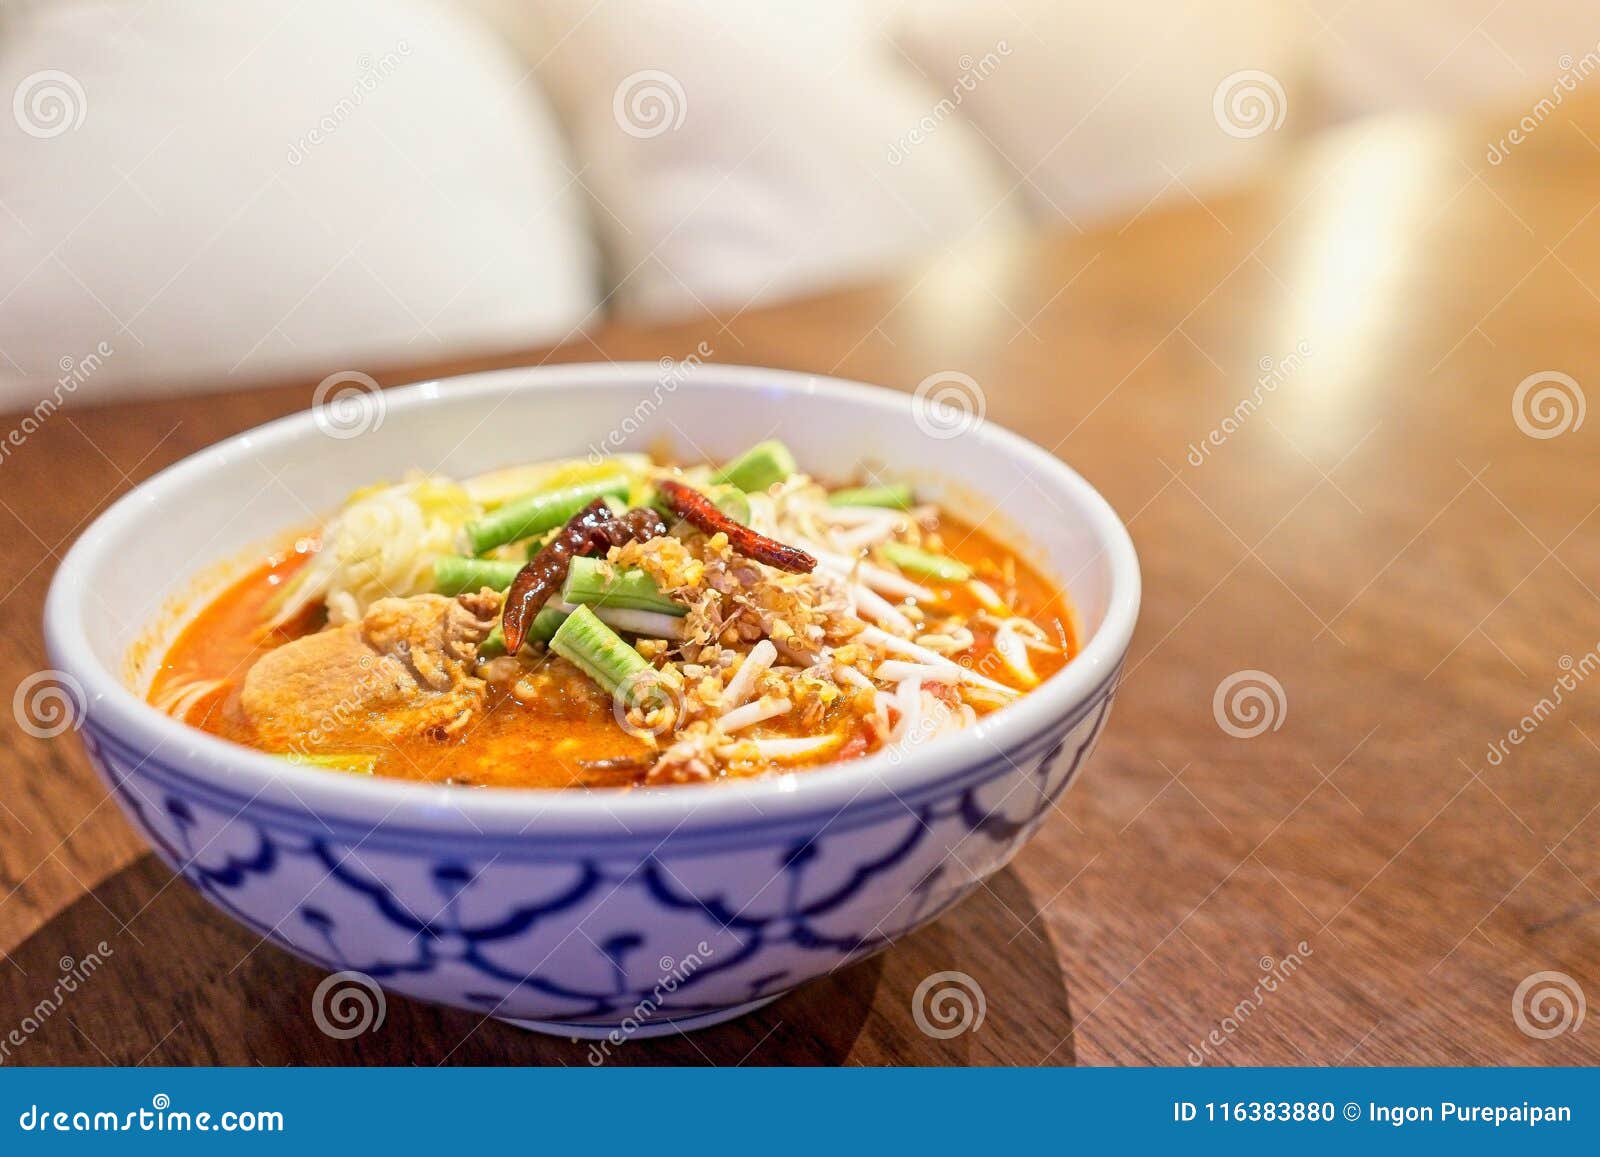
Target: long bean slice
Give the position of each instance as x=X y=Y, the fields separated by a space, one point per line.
x=758 y=467
x=601 y=584
x=537 y=513
x=539 y=631
x=592 y=530
x=545 y=624
x=895 y=495
x=597 y=650
x=454 y=575
x=914 y=560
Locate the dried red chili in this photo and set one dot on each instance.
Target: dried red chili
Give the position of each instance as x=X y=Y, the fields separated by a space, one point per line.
x=701 y=513
x=593 y=530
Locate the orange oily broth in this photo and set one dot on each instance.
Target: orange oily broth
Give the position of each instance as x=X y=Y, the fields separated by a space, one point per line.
x=557 y=736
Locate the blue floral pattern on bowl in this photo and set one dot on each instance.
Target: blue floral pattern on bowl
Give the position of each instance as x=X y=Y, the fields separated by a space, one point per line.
x=532 y=929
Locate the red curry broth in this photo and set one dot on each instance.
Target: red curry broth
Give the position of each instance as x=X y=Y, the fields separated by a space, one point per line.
x=566 y=735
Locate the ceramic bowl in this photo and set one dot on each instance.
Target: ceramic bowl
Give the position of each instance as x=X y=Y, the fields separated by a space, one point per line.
x=602 y=913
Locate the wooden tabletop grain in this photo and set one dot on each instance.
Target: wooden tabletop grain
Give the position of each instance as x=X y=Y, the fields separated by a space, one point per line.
x=1330 y=408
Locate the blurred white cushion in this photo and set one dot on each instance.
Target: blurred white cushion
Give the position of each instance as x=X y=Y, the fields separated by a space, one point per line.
x=742 y=152
x=223 y=191
x=1444 y=55
x=1098 y=107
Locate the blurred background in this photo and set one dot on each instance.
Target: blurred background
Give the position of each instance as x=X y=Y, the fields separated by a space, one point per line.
x=199 y=196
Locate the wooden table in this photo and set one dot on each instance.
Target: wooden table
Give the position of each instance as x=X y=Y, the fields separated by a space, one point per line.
x=1377 y=531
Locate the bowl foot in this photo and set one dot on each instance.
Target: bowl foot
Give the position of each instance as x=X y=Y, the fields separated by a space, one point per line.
x=645 y=1030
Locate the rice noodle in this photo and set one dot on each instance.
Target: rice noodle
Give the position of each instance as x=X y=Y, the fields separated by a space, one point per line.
x=986 y=595
x=846 y=674
x=743 y=683
x=753 y=713
x=651 y=624
x=908 y=701
x=987 y=695
x=949 y=719
x=880 y=610
x=896 y=670
x=1008 y=644
x=382 y=544
x=881 y=580
x=867 y=534
x=909 y=649
x=949 y=641
x=1032 y=634
x=183 y=698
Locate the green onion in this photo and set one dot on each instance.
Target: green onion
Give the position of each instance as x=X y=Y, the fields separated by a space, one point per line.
x=894 y=494
x=454 y=575
x=758 y=467
x=599 y=583
x=539 y=512
x=921 y=562
x=597 y=650
x=494 y=646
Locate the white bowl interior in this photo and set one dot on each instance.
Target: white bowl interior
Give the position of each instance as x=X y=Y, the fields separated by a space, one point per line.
x=205 y=516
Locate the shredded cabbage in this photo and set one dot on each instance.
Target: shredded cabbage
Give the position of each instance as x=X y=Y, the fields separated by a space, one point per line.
x=498 y=487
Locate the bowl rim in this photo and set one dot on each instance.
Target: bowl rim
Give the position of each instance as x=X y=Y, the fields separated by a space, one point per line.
x=529 y=812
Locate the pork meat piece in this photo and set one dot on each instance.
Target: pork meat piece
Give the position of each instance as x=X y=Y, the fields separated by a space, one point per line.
x=405 y=669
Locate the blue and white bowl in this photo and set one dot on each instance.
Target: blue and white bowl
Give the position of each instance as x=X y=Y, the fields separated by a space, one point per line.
x=582 y=913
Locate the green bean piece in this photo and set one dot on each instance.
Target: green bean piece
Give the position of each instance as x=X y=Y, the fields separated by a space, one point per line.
x=757 y=468
x=896 y=495
x=599 y=583
x=539 y=631
x=455 y=575
x=494 y=645
x=915 y=561
x=539 y=512
x=544 y=624
x=597 y=650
